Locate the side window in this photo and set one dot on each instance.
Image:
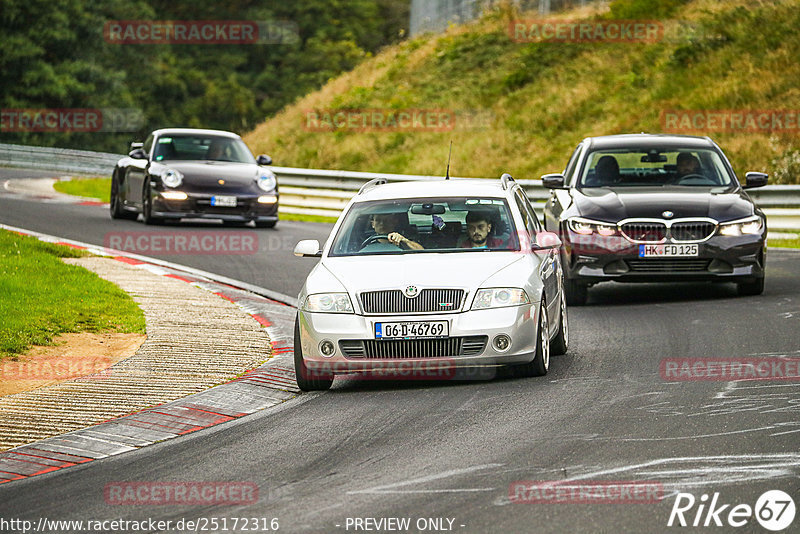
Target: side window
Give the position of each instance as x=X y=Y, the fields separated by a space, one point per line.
x=573 y=162
x=537 y=225
x=529 y=218
x=148 y=144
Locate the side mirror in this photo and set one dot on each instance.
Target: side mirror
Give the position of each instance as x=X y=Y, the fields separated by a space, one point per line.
x=755 y=179
x=546 y=241
x=138 y=153
x=263 y=159
x=308 y=247
x=134 y=146
x=553 y=181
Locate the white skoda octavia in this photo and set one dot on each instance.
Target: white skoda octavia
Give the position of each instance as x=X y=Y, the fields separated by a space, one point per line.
x=435 y=275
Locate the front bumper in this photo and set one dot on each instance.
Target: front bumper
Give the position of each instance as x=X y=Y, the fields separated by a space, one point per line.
x=199 y=206
x=347 y=330
x=614 y=258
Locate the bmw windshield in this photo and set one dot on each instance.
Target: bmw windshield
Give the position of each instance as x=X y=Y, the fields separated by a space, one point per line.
x=652 y=167
x=399 y=226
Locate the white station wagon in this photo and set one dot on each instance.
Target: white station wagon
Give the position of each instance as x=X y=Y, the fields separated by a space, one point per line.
x=434 y=275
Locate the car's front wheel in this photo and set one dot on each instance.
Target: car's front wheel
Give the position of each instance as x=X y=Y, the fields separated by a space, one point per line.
x=307 y=379
x=541 y=361
x=147 y=206
x=754 y=287
x=577 y=293
x=560 y=343
x=266 y=224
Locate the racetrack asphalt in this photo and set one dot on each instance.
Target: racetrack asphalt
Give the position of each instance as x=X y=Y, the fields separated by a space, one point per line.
x=419 y=450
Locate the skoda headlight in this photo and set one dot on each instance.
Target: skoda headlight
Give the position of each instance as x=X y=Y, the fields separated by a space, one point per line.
x=172 y=178
x=749 y=226
x=267 y=180
x=500 y=297
x=588 y=227
x=328 y=303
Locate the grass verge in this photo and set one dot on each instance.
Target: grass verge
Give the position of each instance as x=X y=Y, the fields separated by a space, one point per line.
x=785 y=243
x=41 y=296
x=99 y=188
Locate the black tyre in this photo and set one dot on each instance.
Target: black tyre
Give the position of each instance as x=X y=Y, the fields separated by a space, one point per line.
x=307 y=379
x=147 y=206
x=115 y=205
x=541 y=362
x=754 y=287
x=560 y=343
x=577 y=293
x=266 y=224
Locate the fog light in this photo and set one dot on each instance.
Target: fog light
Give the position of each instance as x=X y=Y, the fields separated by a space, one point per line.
x=501 y=343
x=267 y=199
x=327 y=348
x=174 y=195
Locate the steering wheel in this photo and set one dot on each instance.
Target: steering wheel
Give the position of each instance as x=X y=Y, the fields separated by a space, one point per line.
x=373 y=239
x=698 y=179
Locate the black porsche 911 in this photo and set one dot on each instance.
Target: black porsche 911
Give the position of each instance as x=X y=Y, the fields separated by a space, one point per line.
x=191 y=173
x=650 y=208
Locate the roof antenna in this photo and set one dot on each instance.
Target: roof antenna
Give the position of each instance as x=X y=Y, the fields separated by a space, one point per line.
x=447 y=175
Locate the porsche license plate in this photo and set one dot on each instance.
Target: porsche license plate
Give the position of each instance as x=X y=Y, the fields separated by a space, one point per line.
x=223 y=202
x=411 y=330
x=668 y=251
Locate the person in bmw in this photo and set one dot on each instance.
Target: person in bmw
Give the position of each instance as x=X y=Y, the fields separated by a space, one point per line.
x=441 y=306
x=192 y=173
x=672 y=209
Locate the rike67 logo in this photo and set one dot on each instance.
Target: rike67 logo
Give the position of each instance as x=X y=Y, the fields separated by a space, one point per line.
x=774 y=510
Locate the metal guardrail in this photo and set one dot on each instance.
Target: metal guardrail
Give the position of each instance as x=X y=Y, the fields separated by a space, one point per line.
x=326 y=192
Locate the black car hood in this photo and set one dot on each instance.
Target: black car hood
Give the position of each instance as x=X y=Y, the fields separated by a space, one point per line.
x=614 y=204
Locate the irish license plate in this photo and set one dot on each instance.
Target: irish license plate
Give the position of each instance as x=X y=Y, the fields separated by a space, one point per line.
x=668 y=251
x=224 y=202
x=410 y=330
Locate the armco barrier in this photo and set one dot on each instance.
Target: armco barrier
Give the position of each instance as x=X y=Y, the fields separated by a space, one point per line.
x=326 y=192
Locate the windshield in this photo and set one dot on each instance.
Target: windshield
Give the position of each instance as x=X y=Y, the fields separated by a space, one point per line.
x=648 y=166
x=455 y=224
x=200 y=148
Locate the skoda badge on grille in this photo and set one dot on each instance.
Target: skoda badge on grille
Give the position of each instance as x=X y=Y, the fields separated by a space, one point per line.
x=411 y=291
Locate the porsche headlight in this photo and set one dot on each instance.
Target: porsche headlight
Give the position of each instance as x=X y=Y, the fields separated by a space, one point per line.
x=588 y=227
x=267 y=180
x=499 y=297
x=328 y=303
x=749 y=226
x=172 y=178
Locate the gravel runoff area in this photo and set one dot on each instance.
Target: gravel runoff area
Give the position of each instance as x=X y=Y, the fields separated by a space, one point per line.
x=196 y=338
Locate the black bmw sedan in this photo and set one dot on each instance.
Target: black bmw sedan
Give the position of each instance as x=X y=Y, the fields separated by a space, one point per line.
x=190 y=173
x=649 y=208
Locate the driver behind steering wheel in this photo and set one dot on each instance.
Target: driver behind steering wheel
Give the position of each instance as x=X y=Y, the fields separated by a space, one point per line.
x=686 y=164
x=386 y=226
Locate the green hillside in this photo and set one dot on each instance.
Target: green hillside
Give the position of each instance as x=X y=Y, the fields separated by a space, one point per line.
x=528 y=104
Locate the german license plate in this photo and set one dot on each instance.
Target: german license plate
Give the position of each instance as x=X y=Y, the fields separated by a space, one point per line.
x=223 y=202
x=668 y=251
x=411 y=330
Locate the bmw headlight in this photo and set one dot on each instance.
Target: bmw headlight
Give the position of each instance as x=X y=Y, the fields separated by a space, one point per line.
x=172 y=178
x=500 y=297
x=328 y=303
x=749 y=226
x=588 y=227
x=267 y=180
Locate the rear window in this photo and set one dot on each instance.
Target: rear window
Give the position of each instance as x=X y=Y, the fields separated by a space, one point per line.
x=454 y=224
